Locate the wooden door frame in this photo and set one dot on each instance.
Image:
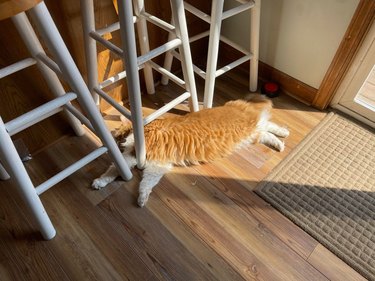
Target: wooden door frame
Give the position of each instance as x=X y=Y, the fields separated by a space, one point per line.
x=361 y=22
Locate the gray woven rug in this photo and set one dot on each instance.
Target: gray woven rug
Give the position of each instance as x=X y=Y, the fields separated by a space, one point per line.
x=327 y=187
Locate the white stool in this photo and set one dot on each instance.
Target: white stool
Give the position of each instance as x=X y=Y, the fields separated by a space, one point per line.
x=65 y=68
x=215 y=20
x=133 y=62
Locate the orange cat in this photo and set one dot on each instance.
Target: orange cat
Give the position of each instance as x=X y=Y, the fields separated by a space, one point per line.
x=198 y=137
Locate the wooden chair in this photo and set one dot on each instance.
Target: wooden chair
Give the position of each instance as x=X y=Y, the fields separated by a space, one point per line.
x=133 y=62
x=63 y=67
x=215 y=19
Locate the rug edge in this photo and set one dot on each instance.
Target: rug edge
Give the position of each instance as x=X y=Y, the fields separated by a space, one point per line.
x=302 y=145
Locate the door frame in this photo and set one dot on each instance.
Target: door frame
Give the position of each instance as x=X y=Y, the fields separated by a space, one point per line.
x=358 y=28
x=355 y=73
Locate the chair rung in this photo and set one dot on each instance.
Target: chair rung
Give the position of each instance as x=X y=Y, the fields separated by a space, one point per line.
x=158 y=22
x=203 y=16
x=119 y=76
x=124 y=111
x=174 y=43
x=38 y=114
x=70 y=170
x=22 y=64
x=112 y=47
x=170 y=75
x=232 y=65
x=108 y=29
x=238 y=9
x=165 y=108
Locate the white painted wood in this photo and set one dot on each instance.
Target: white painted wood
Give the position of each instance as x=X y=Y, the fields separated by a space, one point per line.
x=10 y=69
x=217 y=15
x=14 y=166
x=348 y=97
x=36 y=50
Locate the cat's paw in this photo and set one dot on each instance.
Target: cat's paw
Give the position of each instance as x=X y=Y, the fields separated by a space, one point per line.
x=280 y=146
x=99 y=183
x=142 y=199
x=284 y=132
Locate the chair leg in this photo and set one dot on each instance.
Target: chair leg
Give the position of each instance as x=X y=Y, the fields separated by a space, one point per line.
x=178 y=12
x=213 y=52
x=33 y=45
x=88 y=25
x=168 y=59
x=125 y=11
x=144 y=44
x=17 y=171
x=254 y=45
x=3 y=173
x=70 y=71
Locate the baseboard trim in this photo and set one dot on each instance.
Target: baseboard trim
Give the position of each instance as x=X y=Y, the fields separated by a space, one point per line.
x=288 y=84
x=291 y=86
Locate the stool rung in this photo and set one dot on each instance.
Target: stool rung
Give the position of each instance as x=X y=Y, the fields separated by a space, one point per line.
x=70 y=170
x=112 y=47
x=170 y=45
x=238 y=9
x=234 y=45
x=119 y=76
x=170 y=75
x=50 y=63
x=38 y=114
x=166 y=108
x=124 y=111
x=203 y=16
x=232 y=65
x=196 y=69
x=10 y=69
x=79 y=116
x=199 y=36
x=112 y=27
x=158 y=22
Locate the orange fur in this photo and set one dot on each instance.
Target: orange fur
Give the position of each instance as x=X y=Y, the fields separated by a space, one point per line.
x=205 y=135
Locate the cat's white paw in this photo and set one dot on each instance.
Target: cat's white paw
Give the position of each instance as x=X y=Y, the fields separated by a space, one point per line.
x=142 y=199
x=284 y=132
x=280 y=146
x=99 y=183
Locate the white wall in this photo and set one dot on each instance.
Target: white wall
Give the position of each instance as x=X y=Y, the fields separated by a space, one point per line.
x=297 y=37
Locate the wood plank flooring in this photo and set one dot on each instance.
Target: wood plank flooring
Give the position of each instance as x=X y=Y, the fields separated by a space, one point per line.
x=201 y=223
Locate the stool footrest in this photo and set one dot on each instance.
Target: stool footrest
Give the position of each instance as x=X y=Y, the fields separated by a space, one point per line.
x=70 y=170
x=166 y=108
x=22 y=64
x=38 y=114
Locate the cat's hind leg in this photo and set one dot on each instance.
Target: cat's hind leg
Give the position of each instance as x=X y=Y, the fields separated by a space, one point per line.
x=270 y=139
x=152 y=174
x=277 y=130
x=111 y=174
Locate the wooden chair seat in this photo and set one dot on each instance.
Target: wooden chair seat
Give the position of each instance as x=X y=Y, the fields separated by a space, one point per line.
x=9 y=8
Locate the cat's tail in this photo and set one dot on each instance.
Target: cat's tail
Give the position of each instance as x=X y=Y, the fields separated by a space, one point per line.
x=152 y=174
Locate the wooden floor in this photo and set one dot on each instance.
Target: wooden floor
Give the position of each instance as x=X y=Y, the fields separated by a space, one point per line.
x=201 y=223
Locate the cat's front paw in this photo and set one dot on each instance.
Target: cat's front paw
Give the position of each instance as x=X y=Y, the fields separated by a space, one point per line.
x=142 y=199
x=284 y=132
x=280 y=146
x=99 y=183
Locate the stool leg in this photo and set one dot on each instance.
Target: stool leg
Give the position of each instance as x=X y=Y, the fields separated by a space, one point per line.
x=88 y=25
x=213 y=52
x=17 y=171
x=130 y=60
x=3 y=173
x=178 y=13
x=254 y=45
x=32 y=43
x=144 y=44
x=56 y=45
x=168 y=60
